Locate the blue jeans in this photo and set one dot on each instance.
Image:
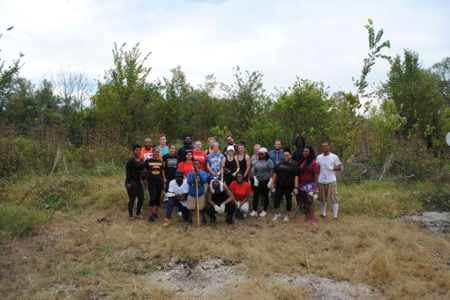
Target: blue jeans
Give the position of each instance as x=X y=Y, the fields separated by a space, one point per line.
x=171 y=204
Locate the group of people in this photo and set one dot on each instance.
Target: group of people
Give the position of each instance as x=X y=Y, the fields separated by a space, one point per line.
x=230 y=177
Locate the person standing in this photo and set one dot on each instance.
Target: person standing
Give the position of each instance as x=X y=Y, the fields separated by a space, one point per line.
x=263 y=172
x=178 y=190
x=284 y=177
x=187 y=145
x=133 y=169
x=243 y=161
x=187 y=164
x=309 y=173
x=163 y=149
x=297 y=157
x=329 y=163
x=276 y=155
x=196 y=181
x=241 y=190
x=214 y=162
x=171 y=161
x=199 y=155
x=147 y=151
x=156 y=184
x=230 y=166
x=220 y=200
x=211 y=141
x=230 y=142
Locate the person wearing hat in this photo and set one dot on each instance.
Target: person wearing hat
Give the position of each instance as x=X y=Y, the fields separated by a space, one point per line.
x=177 y=193
x=220 y=200
x=263 y=172
x=230 y=166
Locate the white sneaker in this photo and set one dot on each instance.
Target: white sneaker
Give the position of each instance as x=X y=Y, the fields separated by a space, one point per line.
x=253 y=214
x=263 y=213
x=286 y=218
x=276 y=216
x=244 y=215
x=180 y=213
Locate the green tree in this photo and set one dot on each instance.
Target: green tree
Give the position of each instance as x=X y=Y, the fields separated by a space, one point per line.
x=122 y=99
x=416 y=94
x=7 y=75
x=303 y=110
x=245 y=96
x=442 y=69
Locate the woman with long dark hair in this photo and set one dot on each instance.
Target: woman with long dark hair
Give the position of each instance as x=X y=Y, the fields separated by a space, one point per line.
x=309 y=175
x=187 y=164
x=133 y=170
x=171 y=161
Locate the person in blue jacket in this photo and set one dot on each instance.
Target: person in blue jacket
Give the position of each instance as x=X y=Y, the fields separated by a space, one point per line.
x=201 y=177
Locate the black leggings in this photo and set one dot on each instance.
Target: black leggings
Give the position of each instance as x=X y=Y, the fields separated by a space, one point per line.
x=155 y=191
x=286 y=191
x=263 y=190
x=136 y=190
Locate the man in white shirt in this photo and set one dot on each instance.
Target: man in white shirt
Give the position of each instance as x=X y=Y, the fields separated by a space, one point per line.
x=177 y=193
x=329 y=163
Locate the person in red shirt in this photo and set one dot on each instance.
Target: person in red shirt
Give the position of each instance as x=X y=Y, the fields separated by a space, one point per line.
x=241 y=190
x=309 y=175
x=200 y=155
x=187 y=165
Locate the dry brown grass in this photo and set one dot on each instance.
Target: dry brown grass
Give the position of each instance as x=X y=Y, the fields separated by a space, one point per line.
x=99 y=254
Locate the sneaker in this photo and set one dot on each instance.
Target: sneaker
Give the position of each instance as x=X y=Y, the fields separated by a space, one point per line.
x=263 y=213
x=335 y=218
x=155 y=216
x=180 y=213
x=276 y=216
x=229 y=220
x=313 y=223
x=253 y=214
x=323 y=217
x=304 y=219
x=190 y=222
x=244 y=215
x=286 y=218
x=203 y=222
x=151 y=220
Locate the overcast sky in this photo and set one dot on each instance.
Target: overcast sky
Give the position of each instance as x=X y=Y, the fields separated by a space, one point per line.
x=316 y=40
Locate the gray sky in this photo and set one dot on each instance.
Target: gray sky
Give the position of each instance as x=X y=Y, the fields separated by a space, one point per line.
x=316 y=40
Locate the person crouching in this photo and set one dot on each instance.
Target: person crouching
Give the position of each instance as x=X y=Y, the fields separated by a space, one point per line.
x=220 y=200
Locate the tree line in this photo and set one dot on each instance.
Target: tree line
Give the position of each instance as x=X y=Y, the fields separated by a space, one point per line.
x=415 y=104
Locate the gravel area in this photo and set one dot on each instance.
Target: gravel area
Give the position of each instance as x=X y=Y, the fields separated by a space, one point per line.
x=433 y=220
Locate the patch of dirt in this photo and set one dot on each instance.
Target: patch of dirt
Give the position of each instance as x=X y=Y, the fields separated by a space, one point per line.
x=201 y=278
x=320 y=288
x=433 y=221
x=198 y=278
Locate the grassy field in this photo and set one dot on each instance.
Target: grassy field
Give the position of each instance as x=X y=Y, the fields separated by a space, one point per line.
x=69 y=238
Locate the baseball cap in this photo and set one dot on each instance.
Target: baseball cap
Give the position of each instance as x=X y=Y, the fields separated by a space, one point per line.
x=262 y=150
x=179 y=173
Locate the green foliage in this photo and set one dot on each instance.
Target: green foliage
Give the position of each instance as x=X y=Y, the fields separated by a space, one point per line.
x=122 y=100
x=379 y=199
x=432 y=196
x=375 y=48
x=17 y=220
x=442 y=69
x=303 y=110
x=416 y=94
